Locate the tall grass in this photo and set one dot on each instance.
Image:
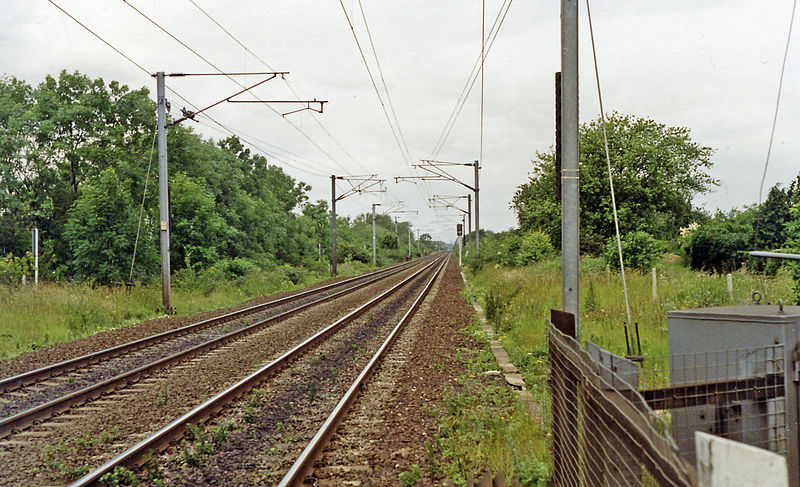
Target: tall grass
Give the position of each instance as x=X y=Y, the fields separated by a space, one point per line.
x=32 y=317
x=535 y=289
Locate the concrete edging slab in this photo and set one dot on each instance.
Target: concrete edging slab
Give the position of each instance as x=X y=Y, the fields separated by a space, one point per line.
x=509 y=371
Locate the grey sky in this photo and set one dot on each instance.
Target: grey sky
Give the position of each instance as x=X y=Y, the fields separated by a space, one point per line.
x=712 y=66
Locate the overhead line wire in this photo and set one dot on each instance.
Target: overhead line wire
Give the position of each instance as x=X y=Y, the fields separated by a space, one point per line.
x=471 y=79
x=235 y=81
x=377 y=92
x=288 y=84
x=150 y=74
x=386 y=90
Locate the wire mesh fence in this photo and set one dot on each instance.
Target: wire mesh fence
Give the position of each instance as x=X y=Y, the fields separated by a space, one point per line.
x=604 y=433
x=736 y=394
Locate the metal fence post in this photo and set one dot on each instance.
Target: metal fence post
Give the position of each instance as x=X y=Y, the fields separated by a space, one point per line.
x=791 y=381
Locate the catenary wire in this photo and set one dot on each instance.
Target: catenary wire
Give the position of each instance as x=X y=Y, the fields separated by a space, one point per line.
x=272 y=109
x=286 y=81
x=149 y=73
x=471 y=81
x=377 y=92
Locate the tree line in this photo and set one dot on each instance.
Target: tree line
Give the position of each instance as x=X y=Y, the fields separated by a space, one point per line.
x=657 y=171
x=74 y=159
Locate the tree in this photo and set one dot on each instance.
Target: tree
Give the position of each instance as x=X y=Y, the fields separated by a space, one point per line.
x=656 y=169
x=101 y=231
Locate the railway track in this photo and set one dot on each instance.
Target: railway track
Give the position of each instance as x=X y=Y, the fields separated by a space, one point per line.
x=307 y=377
x=35 y=395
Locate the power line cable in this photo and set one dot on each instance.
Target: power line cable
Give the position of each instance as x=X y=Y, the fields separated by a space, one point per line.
x=466 y=86
x=156 y=24
x=286 y=81
x=471 y=81
x=377 y=92
x=228 y=130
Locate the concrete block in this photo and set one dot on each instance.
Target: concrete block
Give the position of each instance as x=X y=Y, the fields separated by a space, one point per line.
x=727 y=463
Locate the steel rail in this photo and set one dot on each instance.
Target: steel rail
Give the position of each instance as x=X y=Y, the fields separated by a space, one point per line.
x=27 y=417
x=42 y=373
x=304 y=463
x=159 y=440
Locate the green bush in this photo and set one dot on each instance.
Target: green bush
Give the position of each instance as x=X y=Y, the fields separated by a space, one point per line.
x=639 y=250
x=719 y=245
x=533 y=247
x=13 y=268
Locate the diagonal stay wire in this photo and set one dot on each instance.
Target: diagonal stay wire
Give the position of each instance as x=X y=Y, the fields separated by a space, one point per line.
x=157 y=25
x=608 y=165
x=286 y=81
x=774 y=121
x=141 y=208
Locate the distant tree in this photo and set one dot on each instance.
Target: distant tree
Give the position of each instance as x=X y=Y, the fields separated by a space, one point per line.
x=720 y=244
x=773 y=215
x=657 y=170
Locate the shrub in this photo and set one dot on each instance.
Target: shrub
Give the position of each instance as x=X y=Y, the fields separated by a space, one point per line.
x=718 y=246
x=639 y=250
x=13 y=268
x=533 y=247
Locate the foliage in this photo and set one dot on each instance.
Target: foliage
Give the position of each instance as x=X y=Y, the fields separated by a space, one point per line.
x=639 y=250
x=720 y=244
x=533 y=246
x=101 y=230
x=118 y=477
x=657 y=170
x=13 y=268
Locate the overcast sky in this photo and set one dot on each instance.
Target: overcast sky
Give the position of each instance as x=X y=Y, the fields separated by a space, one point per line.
x=711 y=66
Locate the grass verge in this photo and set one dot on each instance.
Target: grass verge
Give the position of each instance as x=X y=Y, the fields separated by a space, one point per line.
x=484 y=427
x=32 y=317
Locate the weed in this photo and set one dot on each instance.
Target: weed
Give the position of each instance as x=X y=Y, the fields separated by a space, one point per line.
x=280 y=426
x=316 y=360
x=118 y=477
x=411 y=477
x=84 y=443
x=196 y=447
x=250 y=415
x=219 y=434
x=334 y=371
x=152 y=466
x=110 y=436
x=312 y=392
x=226 y=329
x=162 y=396
x=71 y=379
x=73 y=473
x=32 y=471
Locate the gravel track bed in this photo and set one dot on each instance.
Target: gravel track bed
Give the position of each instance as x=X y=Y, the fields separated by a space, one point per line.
x=269 y=428
x=58 y=386
x=117 y=336
x=385 y=432
x=86 y=436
